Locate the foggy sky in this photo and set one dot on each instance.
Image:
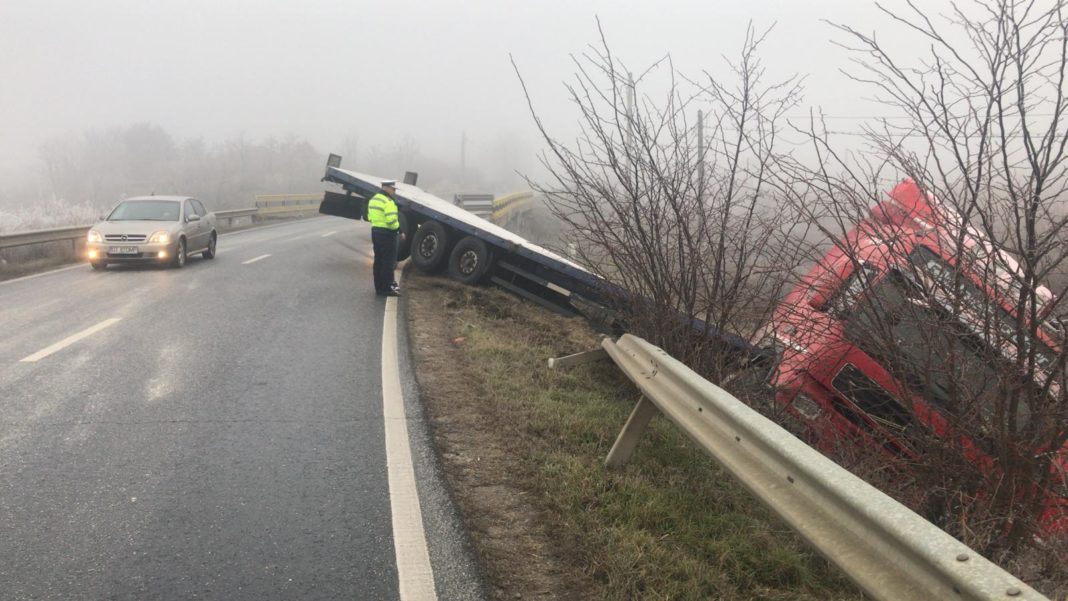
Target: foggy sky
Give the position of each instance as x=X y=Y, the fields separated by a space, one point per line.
x=327 y=70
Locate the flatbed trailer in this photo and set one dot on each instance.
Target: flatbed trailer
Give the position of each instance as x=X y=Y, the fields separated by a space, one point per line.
x=439 y=235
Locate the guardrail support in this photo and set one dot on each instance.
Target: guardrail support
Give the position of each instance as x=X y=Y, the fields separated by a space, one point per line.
x=578 y=359
x=631 y=433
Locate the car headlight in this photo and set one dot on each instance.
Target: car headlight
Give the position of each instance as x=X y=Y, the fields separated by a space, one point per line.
x=94 y=236
x=160 y=238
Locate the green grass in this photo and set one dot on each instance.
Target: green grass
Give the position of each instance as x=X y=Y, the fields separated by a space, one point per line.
x=671 y=524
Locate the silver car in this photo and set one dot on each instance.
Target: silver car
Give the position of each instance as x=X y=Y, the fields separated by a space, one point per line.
x=153 y=229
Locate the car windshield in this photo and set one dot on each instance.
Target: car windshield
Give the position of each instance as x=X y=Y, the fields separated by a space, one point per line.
x=145 y=210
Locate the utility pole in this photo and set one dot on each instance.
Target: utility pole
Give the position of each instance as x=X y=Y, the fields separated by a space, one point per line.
x=629 y=100
x=630 y=108
x=700 y=156
x=463 y=160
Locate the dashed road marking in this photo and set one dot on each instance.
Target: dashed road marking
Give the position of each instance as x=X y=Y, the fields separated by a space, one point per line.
x=253 y=260
x=328 y=234
x=62 y=344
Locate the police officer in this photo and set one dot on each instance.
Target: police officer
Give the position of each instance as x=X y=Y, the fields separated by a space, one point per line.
x=385 y=229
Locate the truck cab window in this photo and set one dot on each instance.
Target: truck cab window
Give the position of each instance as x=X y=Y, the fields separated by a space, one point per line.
x=843 y=300
x=882 y=407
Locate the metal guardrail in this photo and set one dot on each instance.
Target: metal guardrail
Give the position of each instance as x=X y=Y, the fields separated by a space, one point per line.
x=476 y=204
x=41 y=236
x=890 y=552
x=279 y=200
x=290 y=205
x=518 y=201
x=236 y=217
x=289 y=209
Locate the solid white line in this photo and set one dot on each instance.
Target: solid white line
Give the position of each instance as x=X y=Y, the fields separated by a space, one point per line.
x=328 y=234
x=255 y=259
x=415 y=575
x=62 y=344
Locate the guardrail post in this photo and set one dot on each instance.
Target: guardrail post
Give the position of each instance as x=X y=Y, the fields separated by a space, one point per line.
x=577 y=359
x=628 y=438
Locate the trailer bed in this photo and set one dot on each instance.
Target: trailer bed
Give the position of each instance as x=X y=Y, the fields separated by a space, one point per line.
x=523 y=267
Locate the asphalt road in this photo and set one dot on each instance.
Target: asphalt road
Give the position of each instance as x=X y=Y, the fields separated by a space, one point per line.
x=211 y=432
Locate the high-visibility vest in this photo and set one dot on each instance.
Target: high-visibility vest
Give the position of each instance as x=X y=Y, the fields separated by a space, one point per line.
x=382 y=212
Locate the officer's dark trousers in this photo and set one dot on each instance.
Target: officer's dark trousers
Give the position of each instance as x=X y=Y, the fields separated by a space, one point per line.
x=385 y=243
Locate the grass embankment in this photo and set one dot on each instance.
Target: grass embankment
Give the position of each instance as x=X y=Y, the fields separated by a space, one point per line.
x=524 y=445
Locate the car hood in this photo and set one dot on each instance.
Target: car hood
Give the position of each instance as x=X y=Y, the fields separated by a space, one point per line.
x=146 y=228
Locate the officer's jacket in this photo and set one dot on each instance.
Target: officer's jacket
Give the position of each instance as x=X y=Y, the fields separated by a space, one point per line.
x=382 y=212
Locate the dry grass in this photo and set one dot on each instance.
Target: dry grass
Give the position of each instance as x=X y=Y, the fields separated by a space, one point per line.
x=524 y=446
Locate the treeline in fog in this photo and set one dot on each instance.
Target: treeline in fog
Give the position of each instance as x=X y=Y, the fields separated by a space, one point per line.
x=77 y=177
x=82 y=175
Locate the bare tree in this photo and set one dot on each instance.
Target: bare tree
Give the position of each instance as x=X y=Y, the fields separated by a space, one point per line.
x=674 y=212
x=982 y=129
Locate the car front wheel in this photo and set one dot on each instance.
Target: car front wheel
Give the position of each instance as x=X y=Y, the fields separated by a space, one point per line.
x=179 y=254
x=98 y=265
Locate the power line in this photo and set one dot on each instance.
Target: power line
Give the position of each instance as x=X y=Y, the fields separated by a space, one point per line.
x=890 y=117
x=940 y=135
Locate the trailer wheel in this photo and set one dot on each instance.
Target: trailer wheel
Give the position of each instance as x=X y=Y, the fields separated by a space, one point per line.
x=469 y=261
x=429 y=247
x=404 y=246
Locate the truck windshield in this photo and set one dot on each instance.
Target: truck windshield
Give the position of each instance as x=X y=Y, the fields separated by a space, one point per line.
x=927 y=350
x=987 y=316
x=145 y=210
x=879 y=404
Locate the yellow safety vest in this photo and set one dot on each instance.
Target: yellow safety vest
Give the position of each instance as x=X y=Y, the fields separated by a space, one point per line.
x=382 y=212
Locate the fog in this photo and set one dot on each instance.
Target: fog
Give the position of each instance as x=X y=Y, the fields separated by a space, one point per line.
x=381 y=83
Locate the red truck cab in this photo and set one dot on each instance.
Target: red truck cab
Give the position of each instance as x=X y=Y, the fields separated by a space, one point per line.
x=854 y=338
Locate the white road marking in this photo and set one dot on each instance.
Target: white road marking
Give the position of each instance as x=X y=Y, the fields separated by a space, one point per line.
x=415 y=575
x=62 y=344
x=255 y=259
x=328 y=234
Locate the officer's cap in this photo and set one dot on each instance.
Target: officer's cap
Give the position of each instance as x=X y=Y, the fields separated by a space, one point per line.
x=389 y=183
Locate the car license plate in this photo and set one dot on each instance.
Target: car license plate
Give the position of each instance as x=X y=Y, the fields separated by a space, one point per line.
x=123 y=250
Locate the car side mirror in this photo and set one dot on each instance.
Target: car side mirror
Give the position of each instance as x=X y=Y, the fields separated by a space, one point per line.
x=192 y=218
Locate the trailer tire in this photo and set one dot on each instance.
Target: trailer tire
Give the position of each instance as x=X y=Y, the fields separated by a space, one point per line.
x=430 y=246
x=404 y=245
x=470 y=261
